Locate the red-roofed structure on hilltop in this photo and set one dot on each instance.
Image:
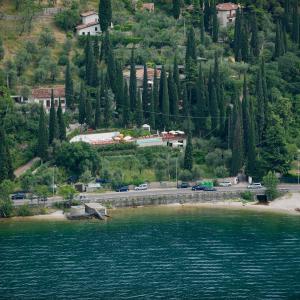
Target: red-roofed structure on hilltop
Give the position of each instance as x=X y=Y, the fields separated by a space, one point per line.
x=90 y=24
x=227 y=13
x=42 y=95
x=148 y=6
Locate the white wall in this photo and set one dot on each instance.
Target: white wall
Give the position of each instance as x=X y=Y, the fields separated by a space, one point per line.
x=46 y=103
x=223 y=17
x=92 y=30
x=90 y=19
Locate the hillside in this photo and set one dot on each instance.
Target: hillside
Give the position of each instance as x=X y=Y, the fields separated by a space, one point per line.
x=233 y=87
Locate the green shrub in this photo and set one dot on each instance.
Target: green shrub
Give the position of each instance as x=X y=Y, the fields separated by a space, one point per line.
x=24 y=211
x=185 y=175
x=247 y=195
x=6 y=208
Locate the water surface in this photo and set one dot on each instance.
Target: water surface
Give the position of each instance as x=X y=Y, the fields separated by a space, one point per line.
x=153 y=253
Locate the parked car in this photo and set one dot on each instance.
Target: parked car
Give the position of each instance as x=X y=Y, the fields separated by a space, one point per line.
x=183 y=185
x=141 y=187
x=198 y=187
x=209 y=189
x=254 y=186
x=18 y=196
x=102 y=180
x=124 y=188
x=225 y=184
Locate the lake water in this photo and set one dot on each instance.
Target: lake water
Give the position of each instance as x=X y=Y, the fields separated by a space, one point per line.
x=153 y=253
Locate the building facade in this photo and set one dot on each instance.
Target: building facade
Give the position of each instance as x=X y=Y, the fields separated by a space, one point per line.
x=90 y=24
x=227 y=13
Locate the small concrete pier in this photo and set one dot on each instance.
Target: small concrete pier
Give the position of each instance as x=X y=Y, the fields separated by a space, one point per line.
x=87 y=211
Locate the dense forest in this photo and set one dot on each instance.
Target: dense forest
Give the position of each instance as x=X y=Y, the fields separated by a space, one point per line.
x=234 y=90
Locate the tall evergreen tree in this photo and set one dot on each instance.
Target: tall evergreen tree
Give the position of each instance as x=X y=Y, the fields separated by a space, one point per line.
x=207 y=15
x=152 y=112
x=81 y=107
x=119 y=87
x=69 y=90
x=261 y=106
x=296 y=23
x=185 y=102
x=126 y=106
x=96 y=47
x=191 y=45
x=145 y=95
x=176 y=75
x=105 y=14
x=213 y=105
x=176 y=9
x=245 y=43
x=42 y=145
x=6 y=168
x=98 y=110
x=52 y=120
x=89 y=62
x=132 y=83
x=165 y=100
x=61 y=123
x=237 y=34
x=188 y=154
x=215 y=27
x=89 y=112
x=173 y=96
x=107 y=106
x=155 y=95
x=254 y=36
x=237 y=140
x=251 y=151
x=139 y=110
x=279 y=41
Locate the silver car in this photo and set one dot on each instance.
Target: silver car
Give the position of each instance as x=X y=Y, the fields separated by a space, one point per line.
x=141 y=187
x=255 y=185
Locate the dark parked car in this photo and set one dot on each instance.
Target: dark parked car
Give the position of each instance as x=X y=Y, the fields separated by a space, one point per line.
x=209 y=189
x=122 y=189
x=102 y=180
x=18 y=196
x=183 y=185
x=72 y=179
x=198 y=187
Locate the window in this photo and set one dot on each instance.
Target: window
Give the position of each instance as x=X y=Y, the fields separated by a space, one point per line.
x=96 y=28
x=83 y=33
x=47 y=103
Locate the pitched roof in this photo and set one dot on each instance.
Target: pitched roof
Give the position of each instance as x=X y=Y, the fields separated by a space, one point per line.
x=148 y=6
x=82 y=26
x=140 y=73
x=45 y=92
x=227 y=6
x=88 y=13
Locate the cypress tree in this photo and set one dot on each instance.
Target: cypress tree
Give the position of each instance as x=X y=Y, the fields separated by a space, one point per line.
x=261 y=106
x=95 y=78
x=176 y=9
x=207 y=15
x=251 y=151
x=246 y=116
x=96 y=48
x=213 y=105
x=81 y=108
x=42 y=145
x=139 y=110
x=286 y=15
x=245 y=43
x=69 y=90
x=215 y=27
x=119 y=87
x=89 y=112
x=295 y=27
x=165 y=100
x=152 y=112
x=196 y=14
x=89 y=62
x=155 y=95
x=188 y=154
x=132 y=83
x=190 y=46
x=105 y=14
x=98 y=110
x=61 y=123
x=202 y=29
x=145 y=96
x=173 y=96
x=176 y=75
x=237 y=34
x=52 y=121
x=254 y=36
x=237 y=140
x=279 y=43
x=185 y=102
x=6 y=168
x=126 y=107
x=107 y=108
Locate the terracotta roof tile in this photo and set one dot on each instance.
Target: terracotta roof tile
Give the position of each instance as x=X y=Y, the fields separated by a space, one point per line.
x=148 y=6
x=88 y=13
x=227 y=6
x=82 y=26
x=45 y=93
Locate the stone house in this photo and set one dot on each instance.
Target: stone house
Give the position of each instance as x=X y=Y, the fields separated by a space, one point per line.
x=90 y=24
x=227 y=13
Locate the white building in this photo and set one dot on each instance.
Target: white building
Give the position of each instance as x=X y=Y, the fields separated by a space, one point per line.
x=90 y=24
x=43 y=96
x=227 y=13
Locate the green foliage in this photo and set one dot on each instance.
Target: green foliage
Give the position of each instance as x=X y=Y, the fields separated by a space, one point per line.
x=67 y=19
x=24 y=211
x=105 y=14
x=247 y=195
x=46 y=38
x=67 y=192
x=270 y=181
x=188 y=155
x=6 y=208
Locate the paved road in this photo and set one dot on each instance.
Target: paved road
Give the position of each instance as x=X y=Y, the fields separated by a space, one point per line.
x=161 y=191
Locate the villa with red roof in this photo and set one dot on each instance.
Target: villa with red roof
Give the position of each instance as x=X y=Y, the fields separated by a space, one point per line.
x=227 y=13
x=90 y=24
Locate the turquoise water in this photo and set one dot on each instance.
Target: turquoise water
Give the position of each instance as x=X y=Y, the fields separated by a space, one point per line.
x=153 y=253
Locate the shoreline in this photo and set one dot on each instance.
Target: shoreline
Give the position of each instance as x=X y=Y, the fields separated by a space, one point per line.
x=283 y=205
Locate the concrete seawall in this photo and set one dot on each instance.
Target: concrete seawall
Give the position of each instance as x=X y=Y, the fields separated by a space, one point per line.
x=121 y=200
